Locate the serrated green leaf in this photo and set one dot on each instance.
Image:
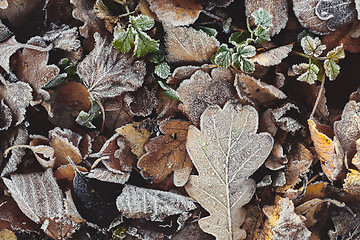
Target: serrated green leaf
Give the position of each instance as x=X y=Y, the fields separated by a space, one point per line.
x=144 y=44
x=158 y=56
x=246 y=51
x=142 y=22
x=240 y=38
x=169 y=92
x=211 y=32
x=236 y=60
x=262 y=35
x=123 y=40
x=337 y=53
x=247 y=65
x=332 y=69
x=85 y=119
x=262 y=18
x=162 y=70
x=223 y=56
x=57 y=81
x=310 y=75
x=312 y=46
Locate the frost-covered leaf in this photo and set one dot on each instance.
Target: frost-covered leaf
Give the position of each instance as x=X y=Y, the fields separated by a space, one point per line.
x=63 y=37
x=226 y=152
x=169 y=92
x=5 y=116
x=246 y=51
x=337 y=53
x=352 y=182
x=167 y=154
x=5 y=33
x=312 y=46
x=154 y=205
x=308 y=72
x=85 y=118
x=4 y=4
x=142 y=102
x=123 y=39
x=262 y=35
x=273 y=56
x=201 y=91
x=277 y=8
x=40 y=199
x=262 y=18
x=337 y=13
x=223 y=56
x=305 y=12
x=162 y=70
x=7 y=49
x=176 y=12
x=240 y=38
x=105 y=175
x=108 y=73
x=332 y=69
x=185 y=44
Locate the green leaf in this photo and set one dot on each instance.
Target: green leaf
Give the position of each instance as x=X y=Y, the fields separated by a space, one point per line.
x=57 y=81
x=247 y=65
x=262 y=18
x=85 y=119
x=142 y=22
x=123 y=40
x=223 y=56
x=162 y=70
x=337 y=53
x=262 y=35
x=169 y=92
x=144 y=44
x=312 y=46
x=158 y=56
x=310 y=74
x=226 y=25
x=211 y=32
x=240 y=38
x=332 y=69
x=64 y=62
x=246 y=51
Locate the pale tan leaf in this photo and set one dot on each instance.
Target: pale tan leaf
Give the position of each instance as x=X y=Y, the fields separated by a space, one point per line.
x=226 y=152
x=5 y=32
x=154 y=205
x=40 y=199
x=7 y=49
x=105 y=175
x=187 y=45
x=273 y=56
x=4 y=4
x=63 y=37
x=277 y=8
x=108 y=73
x=5 y=116
x=352 y=182
x=184 y=72
x=176 y=12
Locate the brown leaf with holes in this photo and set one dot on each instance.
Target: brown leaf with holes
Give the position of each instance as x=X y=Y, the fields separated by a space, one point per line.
x=167 y=154
x=176 y=12
x=329 y=150
x=187 y=45
x=277 y=8
x=203 y=90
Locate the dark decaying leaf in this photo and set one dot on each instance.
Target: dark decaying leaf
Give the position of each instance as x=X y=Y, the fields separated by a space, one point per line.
x=305 y=12
x=108 y=73
x=337 y=13
x=273 y=56
x=40 y=198
x=202 y=90
x=5 y=33
x=277 y=8
x=184 y=72
x=7 y=49
x=187 y=45
x=167 y=154
x=17 y=11
x=226 y=152
x=5 y=116
x=141 y=102
x=176 y=12
x=154 y=205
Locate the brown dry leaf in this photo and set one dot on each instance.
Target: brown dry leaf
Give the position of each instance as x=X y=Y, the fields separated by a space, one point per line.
x=136 y=136
x=330 y=152
x=187 y=45
x=32 y=68
x=154 y=205
x=6 y=234
x=283 y=222
x=253 y=91
x=105 y=175
x=40 y=199
x=66 y=172
x=274 y=56
x=5 y=116
x=17 y=11
x=352 y=182
x=342 y=36
x=185 y=72
x=63 y=37
x=167 y=154
x=17 y=96
x=277 y=8
x=141 y=102
x=300 y=160
x=305 y=12
x=108 y=73
x=7 y=49
x=201 y=91
x=226 y=152
x=4 y=4
x=176 y=12
x=277 y=159
x=356 y=158
x=310 y=208
x=5 y=32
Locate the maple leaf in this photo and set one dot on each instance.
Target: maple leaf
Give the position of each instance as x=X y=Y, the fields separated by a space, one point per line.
x=226 y=152
x=108 y=73
x=167 y=154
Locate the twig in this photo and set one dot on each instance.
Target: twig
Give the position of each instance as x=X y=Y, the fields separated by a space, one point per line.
x=318 y=97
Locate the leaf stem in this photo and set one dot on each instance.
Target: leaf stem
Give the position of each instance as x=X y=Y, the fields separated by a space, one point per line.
x=318 y=97
x=301 y=54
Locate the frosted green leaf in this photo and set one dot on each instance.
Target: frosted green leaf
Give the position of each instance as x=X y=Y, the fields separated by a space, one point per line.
x=85 y=119
x=310 y=75
x=142 y=22
x=169 y=92
x=123 y=40
x=144 y=44
x=247 y=65
x=262 y=18
x=246 y=51
x=331 y=69
x=312 y=46
x=211 y=32
x=57 y=81
x=223 y=56
x=262 y=35
x=337 y=53
x=158 y=56
x=240 y=38
x=162 y=70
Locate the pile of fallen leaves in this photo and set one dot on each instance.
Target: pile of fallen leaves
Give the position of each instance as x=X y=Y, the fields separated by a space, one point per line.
x=181 y=119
